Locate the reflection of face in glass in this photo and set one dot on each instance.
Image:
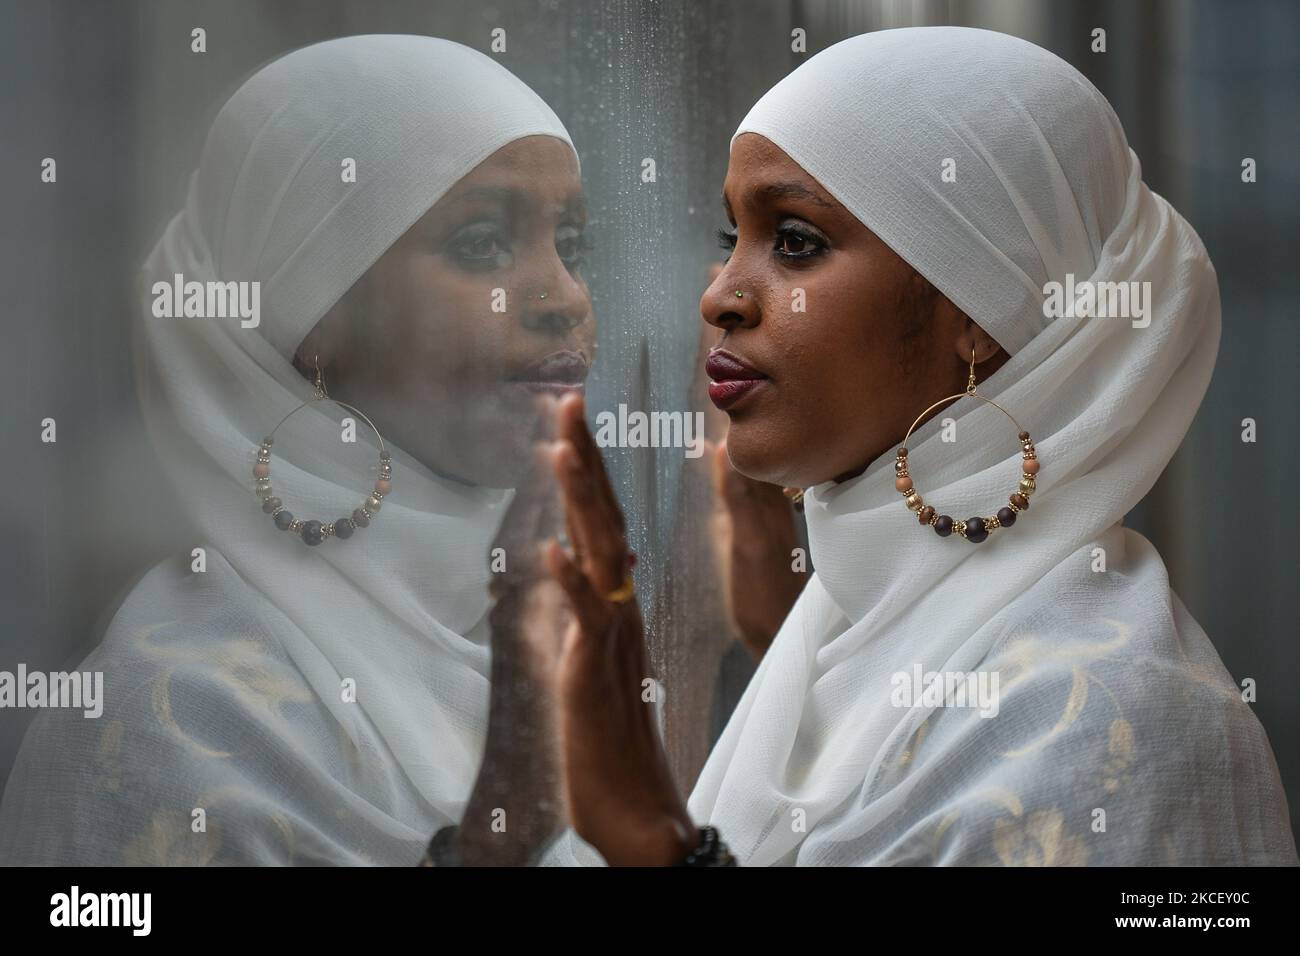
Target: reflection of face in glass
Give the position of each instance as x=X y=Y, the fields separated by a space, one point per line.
x=477 y=308
x=411 y=215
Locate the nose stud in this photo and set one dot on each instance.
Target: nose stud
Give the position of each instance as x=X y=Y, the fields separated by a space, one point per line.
x=739 y=294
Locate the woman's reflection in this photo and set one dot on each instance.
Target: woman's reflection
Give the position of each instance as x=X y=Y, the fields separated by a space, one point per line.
x=413 y=215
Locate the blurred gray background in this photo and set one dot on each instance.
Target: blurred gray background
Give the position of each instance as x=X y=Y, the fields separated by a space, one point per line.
x=112 y=90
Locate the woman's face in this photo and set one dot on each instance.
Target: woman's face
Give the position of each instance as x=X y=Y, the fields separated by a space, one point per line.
x=448 y=338
x=843 y=379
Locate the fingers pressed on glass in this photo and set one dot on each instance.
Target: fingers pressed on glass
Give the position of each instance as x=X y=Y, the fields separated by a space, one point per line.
x=608 y=548
x=600 y=543
x=581 y=528
x=587 y=606
x=573 y=542
x=573 y=426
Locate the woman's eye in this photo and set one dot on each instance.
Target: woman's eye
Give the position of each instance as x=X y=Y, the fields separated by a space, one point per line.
x=726 y=240
x=571 y=245
x=798 y=244
x=480 y=244
x=793 y=245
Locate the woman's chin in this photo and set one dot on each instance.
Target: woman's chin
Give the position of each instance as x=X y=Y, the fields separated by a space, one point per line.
x=498 y=460
x=756 y=457
x=503 y=458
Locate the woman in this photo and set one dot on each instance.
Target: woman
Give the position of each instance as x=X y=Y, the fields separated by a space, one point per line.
x=919 y=189
x=414 y=216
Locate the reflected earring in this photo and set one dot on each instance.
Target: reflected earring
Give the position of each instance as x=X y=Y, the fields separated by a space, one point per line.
x=314 y=532
x=977 y=529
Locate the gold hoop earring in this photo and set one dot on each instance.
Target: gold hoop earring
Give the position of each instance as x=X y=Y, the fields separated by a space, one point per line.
x=314 y=532
x=976 y=529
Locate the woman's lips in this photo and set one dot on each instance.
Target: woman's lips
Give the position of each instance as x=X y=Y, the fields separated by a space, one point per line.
x=726 y=394
x=558 y=373
x=730 y=378
x=553 y=388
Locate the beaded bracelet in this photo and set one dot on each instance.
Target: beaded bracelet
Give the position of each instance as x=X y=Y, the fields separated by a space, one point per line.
x=441 y=849
x=710 y=852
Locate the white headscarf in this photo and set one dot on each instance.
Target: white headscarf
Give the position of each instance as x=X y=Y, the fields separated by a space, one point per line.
x=225 y=688
x=1120 y=737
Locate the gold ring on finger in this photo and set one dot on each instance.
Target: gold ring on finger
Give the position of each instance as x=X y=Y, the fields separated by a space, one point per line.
x=624 y=592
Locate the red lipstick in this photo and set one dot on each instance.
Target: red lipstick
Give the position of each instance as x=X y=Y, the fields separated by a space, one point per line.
x=731 y=378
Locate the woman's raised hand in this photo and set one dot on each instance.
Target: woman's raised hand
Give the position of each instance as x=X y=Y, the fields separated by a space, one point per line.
x=620 y=793
x=520 y=773
x=529 y=615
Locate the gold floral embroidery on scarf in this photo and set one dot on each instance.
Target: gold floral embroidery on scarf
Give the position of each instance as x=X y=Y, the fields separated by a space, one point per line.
x=108 y=758
x=1038 y=839
x=1121 y=748
x=169 y=838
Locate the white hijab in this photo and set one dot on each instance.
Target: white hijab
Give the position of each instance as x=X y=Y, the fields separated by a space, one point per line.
x=225 y=688
x=1115 y=710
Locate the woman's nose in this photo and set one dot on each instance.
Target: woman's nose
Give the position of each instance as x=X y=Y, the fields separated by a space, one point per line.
x=728 y=304
x=555 y=301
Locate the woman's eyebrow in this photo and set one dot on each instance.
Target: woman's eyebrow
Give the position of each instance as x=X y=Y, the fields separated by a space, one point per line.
x=510 y=197
x=792 y=191
x=576 y=205
x=787 y=190
x=501 y=194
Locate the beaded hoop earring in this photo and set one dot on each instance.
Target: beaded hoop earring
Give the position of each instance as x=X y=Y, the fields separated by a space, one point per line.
x=314 y=532
x=976 y=529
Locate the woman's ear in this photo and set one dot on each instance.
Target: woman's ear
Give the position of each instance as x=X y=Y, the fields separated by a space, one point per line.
x=304 y=357
x=324 y=343
x=986 y=347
